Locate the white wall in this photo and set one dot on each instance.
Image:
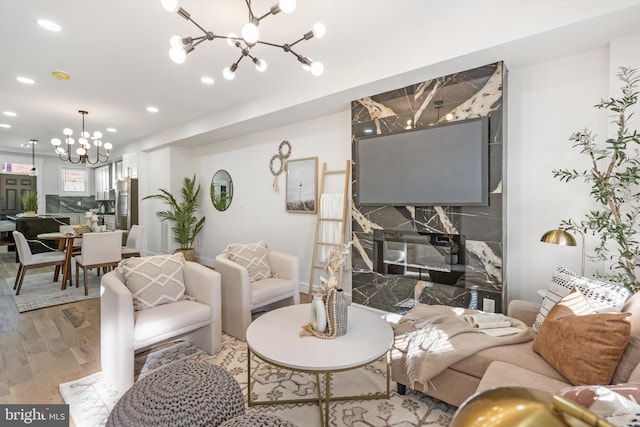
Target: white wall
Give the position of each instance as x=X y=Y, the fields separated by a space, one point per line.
x=257 y=212
x=547 y=102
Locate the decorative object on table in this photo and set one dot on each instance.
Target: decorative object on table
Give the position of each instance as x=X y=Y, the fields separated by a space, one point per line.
x=335 y=303
x=318 y=314
x=278 y=162
x=519 y=406
x=250 y=38
x=85 y=145
x=302 y=188
x=29 y=201
x=186 y=225
x=614 y=177
x=221 y=190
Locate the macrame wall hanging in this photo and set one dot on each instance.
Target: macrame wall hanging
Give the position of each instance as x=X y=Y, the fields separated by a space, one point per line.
x=278 y=163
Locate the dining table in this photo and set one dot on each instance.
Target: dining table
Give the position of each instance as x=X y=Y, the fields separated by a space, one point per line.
x=65 y=243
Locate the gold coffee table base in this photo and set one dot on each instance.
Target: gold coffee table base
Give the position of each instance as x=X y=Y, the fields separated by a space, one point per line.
x=323 y=400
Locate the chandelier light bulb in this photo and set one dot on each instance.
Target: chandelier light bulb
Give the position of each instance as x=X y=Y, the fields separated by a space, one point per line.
x=81 y=151
x=67 y=131
x=60 y=150
x=228 y=74
x=177 y=55
x=84 y=134
x=175 y=41
x=170 y=5
x=71 y=141
x=108 y=146
x=250 y=33
x=232 y=39
x=261 y=65
x=287 y=6
x=97 y=134
x=56 y=142
x=317 y=68
x=319 y=30
x=83 y=141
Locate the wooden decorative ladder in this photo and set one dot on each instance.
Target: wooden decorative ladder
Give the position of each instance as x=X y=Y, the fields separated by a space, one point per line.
x=316 y=265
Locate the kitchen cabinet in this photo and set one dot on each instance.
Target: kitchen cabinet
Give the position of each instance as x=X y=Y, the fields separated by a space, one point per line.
x=130 y=165
x=102 y=180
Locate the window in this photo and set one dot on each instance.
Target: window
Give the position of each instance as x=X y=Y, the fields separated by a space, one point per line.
x=16 y=168
x=74 y=182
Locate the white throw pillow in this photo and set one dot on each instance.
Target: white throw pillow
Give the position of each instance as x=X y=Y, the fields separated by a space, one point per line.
x=253 y=257
x=602 y=296
x=154 y=280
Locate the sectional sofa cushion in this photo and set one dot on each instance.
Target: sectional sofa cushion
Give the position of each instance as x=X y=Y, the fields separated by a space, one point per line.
x=586 y=348
x=253 y=257
x=602 y=296
x=154 y=280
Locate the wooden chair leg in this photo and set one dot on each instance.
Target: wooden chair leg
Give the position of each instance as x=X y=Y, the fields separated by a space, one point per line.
x=15 y=284
x=56 y=273
x=20 y=279
x=78 y=273
x=84 y=274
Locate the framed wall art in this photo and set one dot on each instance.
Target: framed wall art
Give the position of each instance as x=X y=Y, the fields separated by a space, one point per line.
x=302 y=185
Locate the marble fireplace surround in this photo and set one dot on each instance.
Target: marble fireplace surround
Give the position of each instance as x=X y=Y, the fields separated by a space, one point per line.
x=468 y=94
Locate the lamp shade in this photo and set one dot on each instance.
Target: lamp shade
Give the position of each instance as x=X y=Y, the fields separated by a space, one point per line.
x=558 y=237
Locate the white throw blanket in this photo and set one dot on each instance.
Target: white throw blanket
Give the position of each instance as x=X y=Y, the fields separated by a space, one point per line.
x=330 y=231
x=434 y=337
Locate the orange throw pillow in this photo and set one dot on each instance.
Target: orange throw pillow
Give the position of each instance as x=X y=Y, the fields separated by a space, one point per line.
x=584 y=348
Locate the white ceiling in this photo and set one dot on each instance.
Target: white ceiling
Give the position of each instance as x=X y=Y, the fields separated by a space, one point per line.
x=116 y=52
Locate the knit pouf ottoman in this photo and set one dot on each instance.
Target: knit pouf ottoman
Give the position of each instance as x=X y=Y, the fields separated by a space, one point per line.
x=182 y=394
x=252 y=419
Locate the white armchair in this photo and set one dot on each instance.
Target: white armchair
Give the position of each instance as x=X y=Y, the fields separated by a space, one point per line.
x=240 y=297
x=124 y=331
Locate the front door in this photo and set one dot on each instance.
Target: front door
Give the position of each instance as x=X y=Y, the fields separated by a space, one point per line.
x=11 y=188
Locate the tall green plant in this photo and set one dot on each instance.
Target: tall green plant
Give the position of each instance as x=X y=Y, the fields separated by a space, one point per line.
x=182 y=213
x=29 y=201
x=614 y=177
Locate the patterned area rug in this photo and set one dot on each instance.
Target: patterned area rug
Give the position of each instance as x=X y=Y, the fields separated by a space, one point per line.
x=91 y=398
x=39 y=291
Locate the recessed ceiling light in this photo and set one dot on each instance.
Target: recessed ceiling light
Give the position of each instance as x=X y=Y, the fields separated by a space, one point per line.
x=152 y=109
x=48 y=25
x=4 y=125
x=207 y=80
x=25 y=145
x=112 y=130
x=25 y=80
x=9 y=113
x=60 y=75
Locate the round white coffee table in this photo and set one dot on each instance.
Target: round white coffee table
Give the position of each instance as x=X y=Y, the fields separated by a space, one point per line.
x=275 y=338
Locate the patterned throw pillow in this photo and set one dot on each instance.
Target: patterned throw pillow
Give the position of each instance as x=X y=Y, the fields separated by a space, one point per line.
x=154 y=280
x=602 y=296
x=253 y=257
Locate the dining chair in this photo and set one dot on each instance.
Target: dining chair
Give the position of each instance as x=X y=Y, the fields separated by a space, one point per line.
x=29 y=260
x=134 y=242
x=98 y=250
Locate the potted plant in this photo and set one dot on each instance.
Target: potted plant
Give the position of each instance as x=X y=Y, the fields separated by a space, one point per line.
x=29 y=201
x=182 y=213
x=614 y=177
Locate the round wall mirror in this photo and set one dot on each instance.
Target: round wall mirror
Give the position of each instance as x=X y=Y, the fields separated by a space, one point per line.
x=221 y=190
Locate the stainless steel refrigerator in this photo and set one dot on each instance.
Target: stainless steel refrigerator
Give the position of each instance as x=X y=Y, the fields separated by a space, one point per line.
x=126 y=203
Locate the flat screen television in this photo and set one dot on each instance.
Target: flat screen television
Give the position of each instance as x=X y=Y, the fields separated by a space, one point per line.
x=444 y=165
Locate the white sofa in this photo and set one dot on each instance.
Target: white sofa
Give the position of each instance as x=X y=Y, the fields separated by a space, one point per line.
x=124 y=331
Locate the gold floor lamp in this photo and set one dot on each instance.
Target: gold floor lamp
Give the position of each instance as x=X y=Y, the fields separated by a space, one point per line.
x=564 y=238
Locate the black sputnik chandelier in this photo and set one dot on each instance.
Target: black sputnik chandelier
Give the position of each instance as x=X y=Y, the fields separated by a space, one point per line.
x=249 y=38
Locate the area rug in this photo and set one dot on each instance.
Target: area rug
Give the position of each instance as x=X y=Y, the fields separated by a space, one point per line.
x=39 y=291
x=91 y=398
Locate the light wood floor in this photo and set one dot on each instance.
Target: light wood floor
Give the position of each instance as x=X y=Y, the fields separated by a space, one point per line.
x=42 y=348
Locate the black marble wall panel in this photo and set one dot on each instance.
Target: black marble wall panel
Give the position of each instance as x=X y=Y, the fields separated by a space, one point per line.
x=459 y=96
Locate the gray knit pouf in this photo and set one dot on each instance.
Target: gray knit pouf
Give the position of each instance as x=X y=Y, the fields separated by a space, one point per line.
x=182 y=394
x=253 y=419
